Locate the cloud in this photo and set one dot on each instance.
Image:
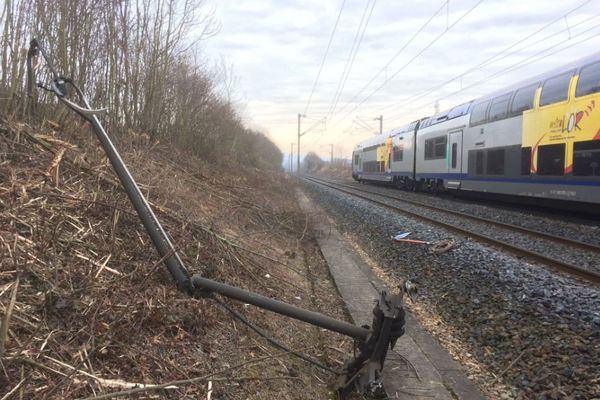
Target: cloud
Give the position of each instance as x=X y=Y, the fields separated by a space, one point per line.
x=276 y=47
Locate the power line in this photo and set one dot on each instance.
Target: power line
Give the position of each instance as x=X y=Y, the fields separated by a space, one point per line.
x=423 y=94
x=495 y=58
x=522 y=63
x=431 y=43
x=358 y=37
x=413 y=37
x=365 y=125
x=324 y=57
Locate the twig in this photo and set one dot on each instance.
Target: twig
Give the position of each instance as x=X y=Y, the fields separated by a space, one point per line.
x=13 y=390
x=9 y=310
x=509 y=366
x=127 y=393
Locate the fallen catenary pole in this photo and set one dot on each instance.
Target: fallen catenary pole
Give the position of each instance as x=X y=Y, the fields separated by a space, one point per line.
x=361 y=373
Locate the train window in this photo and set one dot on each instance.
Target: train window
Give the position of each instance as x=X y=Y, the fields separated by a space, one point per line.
x=551 y=159
x=479 y=113
x=428 y=149
x=370 y=148
x=586 y=158
x=556 y=89
x=589 y=80
x=479 y=162
x=356 y=158
x=440 y=147
x=526 y=161
x=523 y=100
x=398 y=150
x=459 y=111
x=499 y=107
x=454 y=153
x=435 y=148
x=373 y=166
x=495 y=162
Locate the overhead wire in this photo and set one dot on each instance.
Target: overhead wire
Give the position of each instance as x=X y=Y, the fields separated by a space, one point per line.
x=510 y=68
x=269 y=339
x=395 y=56
x=324 y=57
x=431 y=43
x=358 y=37
x=495 y=58
x=361 y=123
x=522 y=63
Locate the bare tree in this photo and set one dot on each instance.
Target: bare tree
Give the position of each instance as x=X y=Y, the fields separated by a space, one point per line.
x=137 y=58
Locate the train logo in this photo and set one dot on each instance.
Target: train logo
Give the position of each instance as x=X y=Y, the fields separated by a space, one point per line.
x=570 y=124
x=574 y=122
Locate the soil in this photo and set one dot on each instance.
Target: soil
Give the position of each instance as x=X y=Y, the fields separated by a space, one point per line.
x=87 y=309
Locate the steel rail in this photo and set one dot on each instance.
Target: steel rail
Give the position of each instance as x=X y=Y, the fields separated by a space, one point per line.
x=583 y=273
x=533 y=232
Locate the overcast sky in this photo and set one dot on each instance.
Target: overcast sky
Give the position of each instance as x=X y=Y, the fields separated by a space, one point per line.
x=276 y=48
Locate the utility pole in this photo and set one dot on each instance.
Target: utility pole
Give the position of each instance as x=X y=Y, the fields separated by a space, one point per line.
x=380 y=119
x=331 y=154
x=299 y=134
x=292 y=159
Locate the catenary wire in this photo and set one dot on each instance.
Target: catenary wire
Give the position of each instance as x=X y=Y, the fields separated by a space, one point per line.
x=431 y=43
x=272 y=341
x=324 y=57
x=360 y=33
x=522 y=63
x=487 y=62
x=395 y=56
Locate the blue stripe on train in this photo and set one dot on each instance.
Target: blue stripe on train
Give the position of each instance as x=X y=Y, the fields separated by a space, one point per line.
x=464 y=177
x=537 y=180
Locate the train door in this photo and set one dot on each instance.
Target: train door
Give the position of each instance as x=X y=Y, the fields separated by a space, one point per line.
x=454 y=158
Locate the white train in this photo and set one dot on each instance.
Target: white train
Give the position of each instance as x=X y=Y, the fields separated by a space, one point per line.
x=539 y=138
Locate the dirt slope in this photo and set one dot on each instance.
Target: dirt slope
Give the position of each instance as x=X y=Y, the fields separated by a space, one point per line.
x=89 y=308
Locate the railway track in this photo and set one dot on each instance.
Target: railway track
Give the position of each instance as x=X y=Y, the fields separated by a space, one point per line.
x=569 y=268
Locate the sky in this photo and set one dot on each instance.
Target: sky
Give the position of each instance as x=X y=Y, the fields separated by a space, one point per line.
x=392 y=58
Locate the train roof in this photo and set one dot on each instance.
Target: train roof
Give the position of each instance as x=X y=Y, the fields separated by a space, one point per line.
x=451 y=113
x=380 y=139
x=372 y=141
x=574 y=65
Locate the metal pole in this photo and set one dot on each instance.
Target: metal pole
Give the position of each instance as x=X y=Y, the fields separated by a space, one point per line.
x=332 y=154
x=380 y=119
x=155 y=230
x=153 y=227
x=279 y=307
x=298 y=161
x=292 y=159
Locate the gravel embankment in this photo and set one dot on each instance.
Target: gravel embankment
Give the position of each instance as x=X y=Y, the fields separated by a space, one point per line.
x=536 y=330
x=572 y=227
x=566 y=253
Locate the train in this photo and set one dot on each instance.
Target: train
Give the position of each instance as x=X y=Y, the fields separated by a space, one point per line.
x=538 y=139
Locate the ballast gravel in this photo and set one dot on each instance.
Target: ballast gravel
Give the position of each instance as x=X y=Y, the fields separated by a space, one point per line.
x=536 y=330
x=568 y=225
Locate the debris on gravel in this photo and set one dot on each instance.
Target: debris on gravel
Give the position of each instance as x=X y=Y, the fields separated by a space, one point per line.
x=535 y=332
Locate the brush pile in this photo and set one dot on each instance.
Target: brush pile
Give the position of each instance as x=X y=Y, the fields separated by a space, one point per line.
x=87 y=310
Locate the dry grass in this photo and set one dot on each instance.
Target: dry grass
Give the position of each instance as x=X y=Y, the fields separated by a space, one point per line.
x=87 y=309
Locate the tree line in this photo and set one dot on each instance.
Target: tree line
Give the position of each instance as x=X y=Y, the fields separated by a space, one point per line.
x=138 y=59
